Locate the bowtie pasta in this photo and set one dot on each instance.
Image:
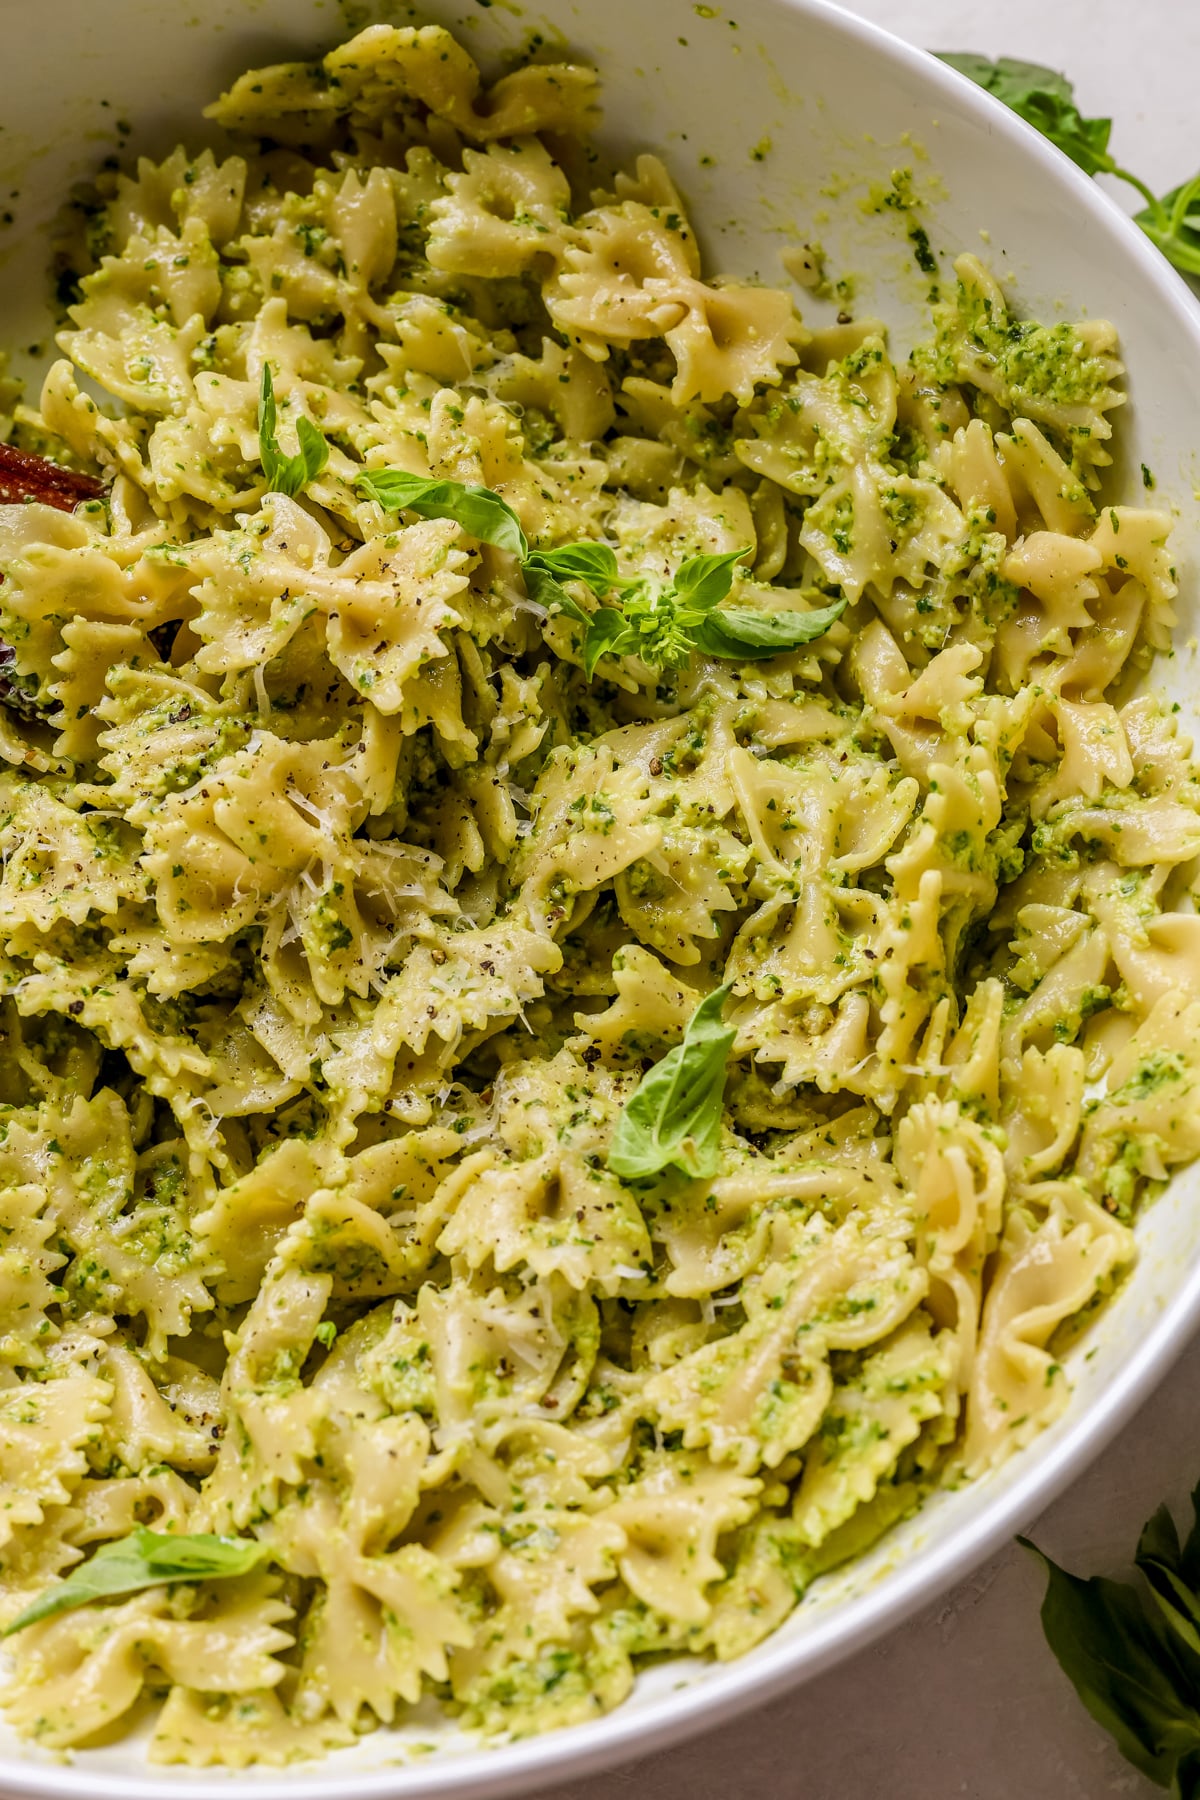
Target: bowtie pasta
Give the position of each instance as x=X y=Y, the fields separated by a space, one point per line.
x=346 y=903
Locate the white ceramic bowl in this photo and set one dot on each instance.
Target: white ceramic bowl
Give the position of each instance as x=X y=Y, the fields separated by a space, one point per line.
x=830 y=105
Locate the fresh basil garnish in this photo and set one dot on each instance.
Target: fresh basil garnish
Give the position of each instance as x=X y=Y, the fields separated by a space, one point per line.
x=608 y=633
x=702 y=582
x=287 y=474
x=673 y=1118
x=660 y=622
x=591 y=562
x=743 y=635
x=479 y=510
x=143 y=1559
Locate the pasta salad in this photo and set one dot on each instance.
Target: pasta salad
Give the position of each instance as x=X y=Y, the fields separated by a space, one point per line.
x=594 y=964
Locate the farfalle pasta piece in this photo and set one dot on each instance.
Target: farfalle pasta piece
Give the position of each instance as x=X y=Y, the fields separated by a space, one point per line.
x=430 y=65
x=619 y=278
x=873 y=528
x=504 y=212
x=62 y=567
x=1148 y=1120
x=205 y=1731
x=143 y=1430
x=731 y=339
x=244 y=1223
x=387 y=64
x=144 y=360
x=111 y=1506
x=956 y=1179
x=871 y=1420
x=1058 y=571
x=758 y=1394
x=272 y=1421
x=672 y=1515
x=819 y=425
x=224 y=848
x=84 y=1670
x=629 y=274
x=61 y=865
x=971 y=466
x=1060 y=376
x=45 y=1429
x=1044 y=1273
x=476 y=982
x=564 y=384
x=543 y=1580
x=177 y=191
x=129 y=1237
x=1047 y=1105
x=385 y=1617
x=555 y=1215
x=36 y=1555
x=651 y=1006
x=28 y=1259
x=395 y=602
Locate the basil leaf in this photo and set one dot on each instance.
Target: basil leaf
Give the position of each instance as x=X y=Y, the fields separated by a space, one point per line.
x=743 y=635
x=609 y=633
x=1121 y=1665
x=1160 y=1559
x=144 y=1559
x=478 y=510
x=673 y=1118
x=1044 y=99
x=1008 y=78
x=1173 y=227
x=594 y=563
x=549 y=592
x=1186 y=1785
x=286 y=474
x=1189 y=1560
x=702 y=582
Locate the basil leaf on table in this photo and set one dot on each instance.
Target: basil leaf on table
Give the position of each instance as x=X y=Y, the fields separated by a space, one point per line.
x=479 y=510
x=143 y=1559
x=673 y=1118
x=1171 y=1574
x=742 y=634
x=1117 y=1658
x=1046 y=100
x=1171 y=224
x=286 y=474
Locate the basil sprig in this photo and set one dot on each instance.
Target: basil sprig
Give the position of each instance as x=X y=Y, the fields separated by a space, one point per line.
x=144 y=1559
x=287 y=474
x=663 y=624
x=1046 y=100
x=1133 y=1654
x=673 y=1117
x=660 y=622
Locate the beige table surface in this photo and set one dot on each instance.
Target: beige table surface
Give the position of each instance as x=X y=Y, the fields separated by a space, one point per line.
x=966 y=1699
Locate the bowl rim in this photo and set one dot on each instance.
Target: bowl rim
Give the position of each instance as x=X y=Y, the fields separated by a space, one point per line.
x=527 y=1766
